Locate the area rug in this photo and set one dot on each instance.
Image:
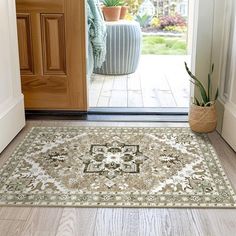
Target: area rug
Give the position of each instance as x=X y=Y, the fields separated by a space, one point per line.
x=115 y=167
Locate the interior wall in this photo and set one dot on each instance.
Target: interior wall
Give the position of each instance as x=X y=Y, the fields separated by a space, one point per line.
x=229 y=118
x=202 y=39
x=221 y=53
x=212 y=44
x=12 y=118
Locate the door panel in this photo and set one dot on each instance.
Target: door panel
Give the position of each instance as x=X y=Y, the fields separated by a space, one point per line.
x=25 y=44
x=51 y=37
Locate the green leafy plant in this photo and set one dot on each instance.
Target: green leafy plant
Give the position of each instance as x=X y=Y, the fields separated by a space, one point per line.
x=143 y=20
x=206 y=94
x=113 y=3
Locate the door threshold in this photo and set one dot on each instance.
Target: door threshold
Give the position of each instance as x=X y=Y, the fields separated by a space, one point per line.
x=139 y=111
x=138 y=118
x=126 y=114
x=113 y=115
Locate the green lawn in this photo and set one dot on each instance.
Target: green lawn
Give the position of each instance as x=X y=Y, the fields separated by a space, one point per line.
x=163 y=45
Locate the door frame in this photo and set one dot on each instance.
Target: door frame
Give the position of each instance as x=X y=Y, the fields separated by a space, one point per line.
x=203 y=20
x=12 y=117
x=201 y=23
x=229 y=84
x=202 y=41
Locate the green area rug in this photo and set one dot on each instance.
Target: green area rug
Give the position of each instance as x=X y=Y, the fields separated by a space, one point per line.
x=115 y=167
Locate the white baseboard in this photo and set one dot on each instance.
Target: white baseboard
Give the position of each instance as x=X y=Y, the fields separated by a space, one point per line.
x=12 y=121
x=229 y=128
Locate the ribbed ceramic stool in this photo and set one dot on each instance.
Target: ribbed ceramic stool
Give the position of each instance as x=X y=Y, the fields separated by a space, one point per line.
x=123 y=48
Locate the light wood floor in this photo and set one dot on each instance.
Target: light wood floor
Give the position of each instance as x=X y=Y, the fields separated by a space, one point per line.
x=28 y=221
x=160 y=81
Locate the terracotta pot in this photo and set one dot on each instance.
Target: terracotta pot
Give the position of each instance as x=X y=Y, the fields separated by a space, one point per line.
x=123 y=12
x=111 y=13
x=202 y=119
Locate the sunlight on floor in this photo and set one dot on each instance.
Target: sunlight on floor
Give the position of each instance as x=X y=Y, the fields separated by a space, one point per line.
x=160 y=81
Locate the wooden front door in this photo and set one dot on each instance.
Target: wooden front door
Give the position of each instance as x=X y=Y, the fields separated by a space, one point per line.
x=51 y=36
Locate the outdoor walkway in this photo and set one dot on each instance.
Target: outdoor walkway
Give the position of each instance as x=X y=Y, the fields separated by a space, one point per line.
x=160 y=81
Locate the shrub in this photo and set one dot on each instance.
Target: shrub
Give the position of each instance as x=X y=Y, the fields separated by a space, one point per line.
x=178 y=29
x=129 y=17
x=155 y=22
x=133 y=6
x=175 y=20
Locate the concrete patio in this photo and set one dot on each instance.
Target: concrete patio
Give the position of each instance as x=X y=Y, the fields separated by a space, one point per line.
x=160 y=81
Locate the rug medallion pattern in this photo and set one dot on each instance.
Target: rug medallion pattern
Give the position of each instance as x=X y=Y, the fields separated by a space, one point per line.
x=115 y=167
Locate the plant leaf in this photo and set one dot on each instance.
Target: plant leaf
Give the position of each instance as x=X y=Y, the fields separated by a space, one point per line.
x=193 y=82
x=111 y=3
x=199 y=84
x=197 y=102
x=209 y=87
x=212 y=68
x=217 y=94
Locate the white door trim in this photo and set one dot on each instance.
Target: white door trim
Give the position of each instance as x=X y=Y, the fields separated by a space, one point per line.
x=12 y=118
x=229 y=120
x=203 y=23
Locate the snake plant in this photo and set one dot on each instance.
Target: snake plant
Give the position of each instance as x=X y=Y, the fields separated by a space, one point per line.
x=113 y=3
x=206 y=93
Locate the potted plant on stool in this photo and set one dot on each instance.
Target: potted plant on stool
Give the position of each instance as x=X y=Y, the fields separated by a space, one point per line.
x=202 y=114
x=123 y=11
x=111 y=9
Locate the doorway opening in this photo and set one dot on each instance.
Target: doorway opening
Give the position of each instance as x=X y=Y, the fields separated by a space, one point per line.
x=159 y=81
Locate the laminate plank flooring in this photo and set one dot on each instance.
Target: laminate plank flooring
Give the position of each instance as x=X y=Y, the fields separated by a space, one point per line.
x=59 y=221
x=77 y=221
x=160 y=81
x=12 y=213
x=11 y=227
x=42 y=221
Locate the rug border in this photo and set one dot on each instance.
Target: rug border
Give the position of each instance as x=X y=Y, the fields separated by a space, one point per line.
x=210 y=146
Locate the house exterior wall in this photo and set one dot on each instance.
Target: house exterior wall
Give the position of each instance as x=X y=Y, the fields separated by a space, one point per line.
x=167 y=7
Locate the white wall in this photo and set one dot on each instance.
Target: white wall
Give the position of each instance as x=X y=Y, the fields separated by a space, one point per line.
x=212 y=44
x=229 y=88
x=202 y=38
x=12 y=118
x=216 y=43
